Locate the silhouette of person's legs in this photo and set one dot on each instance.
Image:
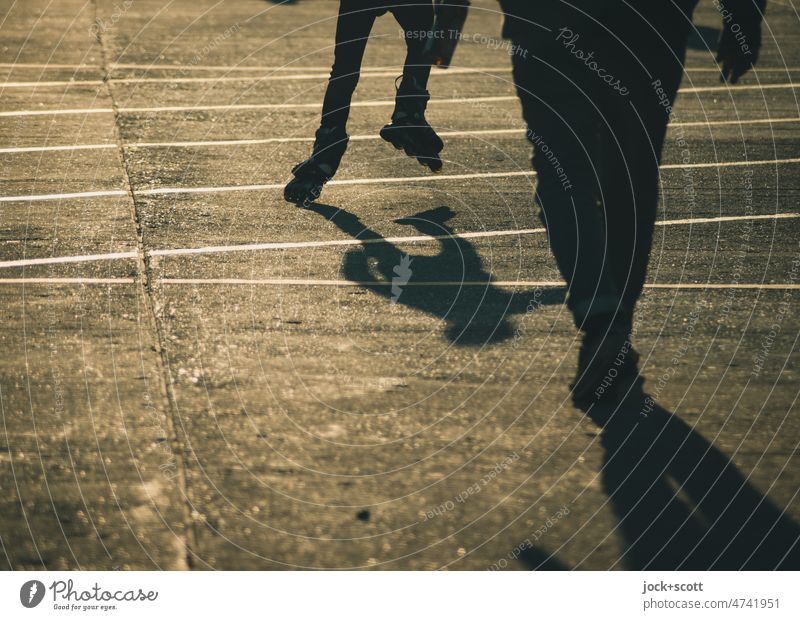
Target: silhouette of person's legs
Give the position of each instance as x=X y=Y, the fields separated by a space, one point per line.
x=414 y=20
x=353 y=27
x=633 y=135
x=629 y=193
x=563 y=127
x=596 y=97
x=409 y=129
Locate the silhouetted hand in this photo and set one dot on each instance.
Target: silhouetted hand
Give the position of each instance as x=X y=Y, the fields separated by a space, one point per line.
x=737 y=56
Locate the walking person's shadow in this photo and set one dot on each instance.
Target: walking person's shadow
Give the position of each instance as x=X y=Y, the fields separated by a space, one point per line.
x=680 y=502
x=452 y=284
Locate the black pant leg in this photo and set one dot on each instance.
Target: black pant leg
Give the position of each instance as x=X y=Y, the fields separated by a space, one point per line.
x=652 y=58
x=559 y=106
x=353 y=27
x=415 y=18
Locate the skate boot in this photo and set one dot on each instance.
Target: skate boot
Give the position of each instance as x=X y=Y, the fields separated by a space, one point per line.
x=410 y=132
x=311 y=175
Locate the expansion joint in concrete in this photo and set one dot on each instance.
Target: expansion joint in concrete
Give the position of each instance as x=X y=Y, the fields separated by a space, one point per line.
x=145 y=280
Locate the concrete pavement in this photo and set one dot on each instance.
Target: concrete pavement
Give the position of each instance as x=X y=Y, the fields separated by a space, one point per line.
x=173 y=397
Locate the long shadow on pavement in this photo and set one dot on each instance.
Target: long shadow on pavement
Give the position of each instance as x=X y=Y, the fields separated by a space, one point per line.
x=681 y=504
x=476 y=310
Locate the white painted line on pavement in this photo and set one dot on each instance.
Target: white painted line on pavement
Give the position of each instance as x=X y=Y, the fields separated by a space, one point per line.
x=292 y=245
x=44 y=84
x=289 y=245
x=355 y=283
x=728 y=218
x=248 y=106
x=313 y=282
x=67 y=280
x=61 y=260
x=456 y=283
x=44 y=65
x=318 y=76
x=161 y=191
x=45 y=197
x=730 y=164
x=68 y=147
x=738 y=87
x=356 y=104
x=724 y=286
x=185 y=67
x=16 y=113
x=358 y=138
x=239 y=78
x=376 y=181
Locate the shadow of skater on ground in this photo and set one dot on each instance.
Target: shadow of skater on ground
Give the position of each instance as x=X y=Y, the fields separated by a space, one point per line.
x=459 y=290
x=681 y=504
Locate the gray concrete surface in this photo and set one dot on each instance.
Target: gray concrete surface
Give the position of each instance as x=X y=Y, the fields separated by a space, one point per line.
x=188 y=410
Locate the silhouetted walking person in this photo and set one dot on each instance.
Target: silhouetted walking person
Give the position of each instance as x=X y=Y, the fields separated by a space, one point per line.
x=597 y=80
x=409 y=130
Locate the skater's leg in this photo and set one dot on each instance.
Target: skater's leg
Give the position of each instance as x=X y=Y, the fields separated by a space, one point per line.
x=311 y=175
x=415 y=19
x=409 y=129
x=354 y=24
x=353 y=27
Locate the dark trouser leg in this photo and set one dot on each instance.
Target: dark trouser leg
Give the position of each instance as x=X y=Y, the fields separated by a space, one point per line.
x=414 y=19
x=633 y=143
x=563 y=127
x=352 y=33
x=629 y=192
